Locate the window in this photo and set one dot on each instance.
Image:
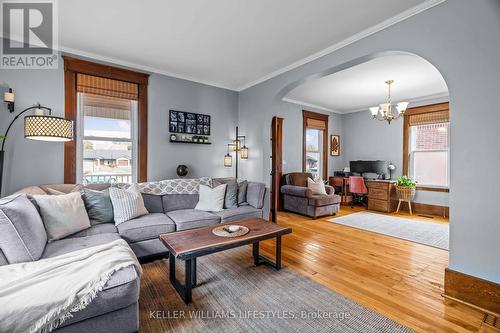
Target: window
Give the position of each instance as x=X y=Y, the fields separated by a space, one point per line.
x=426 y=133
x=107 y=148
x=109 y=108
x=315 y=144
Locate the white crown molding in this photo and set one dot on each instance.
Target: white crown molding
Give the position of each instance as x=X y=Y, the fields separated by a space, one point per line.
x=354 y=38
x=417 y=101
x=365 y=33
x=136 y=66
x=319 y=107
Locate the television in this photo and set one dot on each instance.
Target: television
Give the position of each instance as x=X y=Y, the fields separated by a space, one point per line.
x=381 y=168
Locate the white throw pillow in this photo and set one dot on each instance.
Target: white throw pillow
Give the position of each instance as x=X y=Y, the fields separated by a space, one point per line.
x=317 y=187
x=63 y=214
x=211 y=199
x=127 y=204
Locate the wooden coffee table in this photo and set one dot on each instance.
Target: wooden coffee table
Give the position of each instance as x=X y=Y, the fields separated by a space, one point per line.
x=190 y=244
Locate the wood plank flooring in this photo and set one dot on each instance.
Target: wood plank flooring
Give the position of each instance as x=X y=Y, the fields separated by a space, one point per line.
x=397 y=278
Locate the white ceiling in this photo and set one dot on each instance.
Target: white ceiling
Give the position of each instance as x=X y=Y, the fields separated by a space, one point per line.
x=226 y=43
x=359 y=87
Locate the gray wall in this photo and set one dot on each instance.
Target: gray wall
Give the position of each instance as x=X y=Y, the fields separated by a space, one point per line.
x=368 y=139
x=292 y=137
x=203 y=160
x=31 y=162
x=460 y=38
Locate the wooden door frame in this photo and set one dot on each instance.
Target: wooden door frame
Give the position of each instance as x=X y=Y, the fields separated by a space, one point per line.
x=318 y=116
x=72 y=67
x=276 y=165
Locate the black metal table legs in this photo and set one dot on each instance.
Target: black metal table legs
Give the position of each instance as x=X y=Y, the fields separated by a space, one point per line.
x=185 y=291
x=259 y=260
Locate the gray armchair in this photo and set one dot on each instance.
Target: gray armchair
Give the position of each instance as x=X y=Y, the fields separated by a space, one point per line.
x=299 y=199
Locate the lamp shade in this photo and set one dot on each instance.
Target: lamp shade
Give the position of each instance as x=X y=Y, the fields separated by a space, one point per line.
x=374 y=110
x=228 y=160
x=48 y=128
x=244 y=153
x=402 y=106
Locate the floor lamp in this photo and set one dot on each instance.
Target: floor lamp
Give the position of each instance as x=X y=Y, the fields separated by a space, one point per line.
x=240 y=150
x=40 y=126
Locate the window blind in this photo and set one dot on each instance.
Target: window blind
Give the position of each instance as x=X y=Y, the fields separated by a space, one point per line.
x=429 y=118
x=106 y=87
x=315 y=123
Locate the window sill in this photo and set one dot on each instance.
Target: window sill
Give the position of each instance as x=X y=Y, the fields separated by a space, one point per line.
x=433 y=189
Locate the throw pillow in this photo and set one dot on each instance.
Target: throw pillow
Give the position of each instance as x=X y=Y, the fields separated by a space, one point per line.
x=62 y=215
x=22 y=234
x=127 y=204
x=211 y=199
x=231 y=196
x=242 y=193
x=98 y=205
x=316 y=187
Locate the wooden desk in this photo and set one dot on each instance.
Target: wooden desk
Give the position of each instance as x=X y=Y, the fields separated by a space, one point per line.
x=381 y=193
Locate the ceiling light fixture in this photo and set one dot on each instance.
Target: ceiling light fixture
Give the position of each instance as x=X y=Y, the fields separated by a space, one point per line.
x=384 y=111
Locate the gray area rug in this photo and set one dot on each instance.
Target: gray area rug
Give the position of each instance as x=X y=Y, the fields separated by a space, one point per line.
x=235 y=296
x=423 y=232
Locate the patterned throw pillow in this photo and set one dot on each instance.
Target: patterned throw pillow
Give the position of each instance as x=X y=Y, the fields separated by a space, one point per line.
x=127 y=204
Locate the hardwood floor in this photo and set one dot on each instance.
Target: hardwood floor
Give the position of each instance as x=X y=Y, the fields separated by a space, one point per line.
x=397 y=278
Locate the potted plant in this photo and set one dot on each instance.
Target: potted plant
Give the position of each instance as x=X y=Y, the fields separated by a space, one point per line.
x=405 y=188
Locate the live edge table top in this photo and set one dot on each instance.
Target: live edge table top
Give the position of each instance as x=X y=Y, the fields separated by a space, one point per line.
x=197 y=242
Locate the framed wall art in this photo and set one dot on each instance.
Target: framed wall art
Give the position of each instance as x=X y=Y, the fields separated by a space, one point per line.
x=188 y=123
x=335 y=145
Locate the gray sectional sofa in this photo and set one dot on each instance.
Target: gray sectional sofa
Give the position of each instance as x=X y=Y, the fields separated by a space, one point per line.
x=116 y=307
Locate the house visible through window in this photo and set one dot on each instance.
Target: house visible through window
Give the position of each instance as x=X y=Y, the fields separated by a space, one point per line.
x=428 y=160
x=107 y=127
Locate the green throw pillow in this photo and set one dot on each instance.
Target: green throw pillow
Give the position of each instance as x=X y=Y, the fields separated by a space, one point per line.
x=99 y=206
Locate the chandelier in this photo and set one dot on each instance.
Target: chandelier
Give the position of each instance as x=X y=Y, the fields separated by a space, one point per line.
x=384 y=111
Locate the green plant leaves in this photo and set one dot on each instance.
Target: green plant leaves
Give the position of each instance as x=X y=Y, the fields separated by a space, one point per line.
x=405 y=181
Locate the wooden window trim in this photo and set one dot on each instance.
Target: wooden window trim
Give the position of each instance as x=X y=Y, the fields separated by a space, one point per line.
x=318 y=116
x=406 y=138
x=72 y=66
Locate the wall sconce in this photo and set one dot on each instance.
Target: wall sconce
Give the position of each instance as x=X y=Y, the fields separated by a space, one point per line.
x=9 y=98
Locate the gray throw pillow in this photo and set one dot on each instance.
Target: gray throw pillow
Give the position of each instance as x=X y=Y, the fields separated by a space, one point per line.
x=242 y=193
x=22 y=234
x=231 y=197
x=98 y=205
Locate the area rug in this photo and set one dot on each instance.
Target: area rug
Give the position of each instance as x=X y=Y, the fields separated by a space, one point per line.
x=418 y=231
x=233 y=295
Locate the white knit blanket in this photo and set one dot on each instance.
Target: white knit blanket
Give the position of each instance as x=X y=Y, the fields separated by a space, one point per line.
x=39 y=296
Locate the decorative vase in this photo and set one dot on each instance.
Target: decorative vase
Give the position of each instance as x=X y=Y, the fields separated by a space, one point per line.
x=182 y=170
